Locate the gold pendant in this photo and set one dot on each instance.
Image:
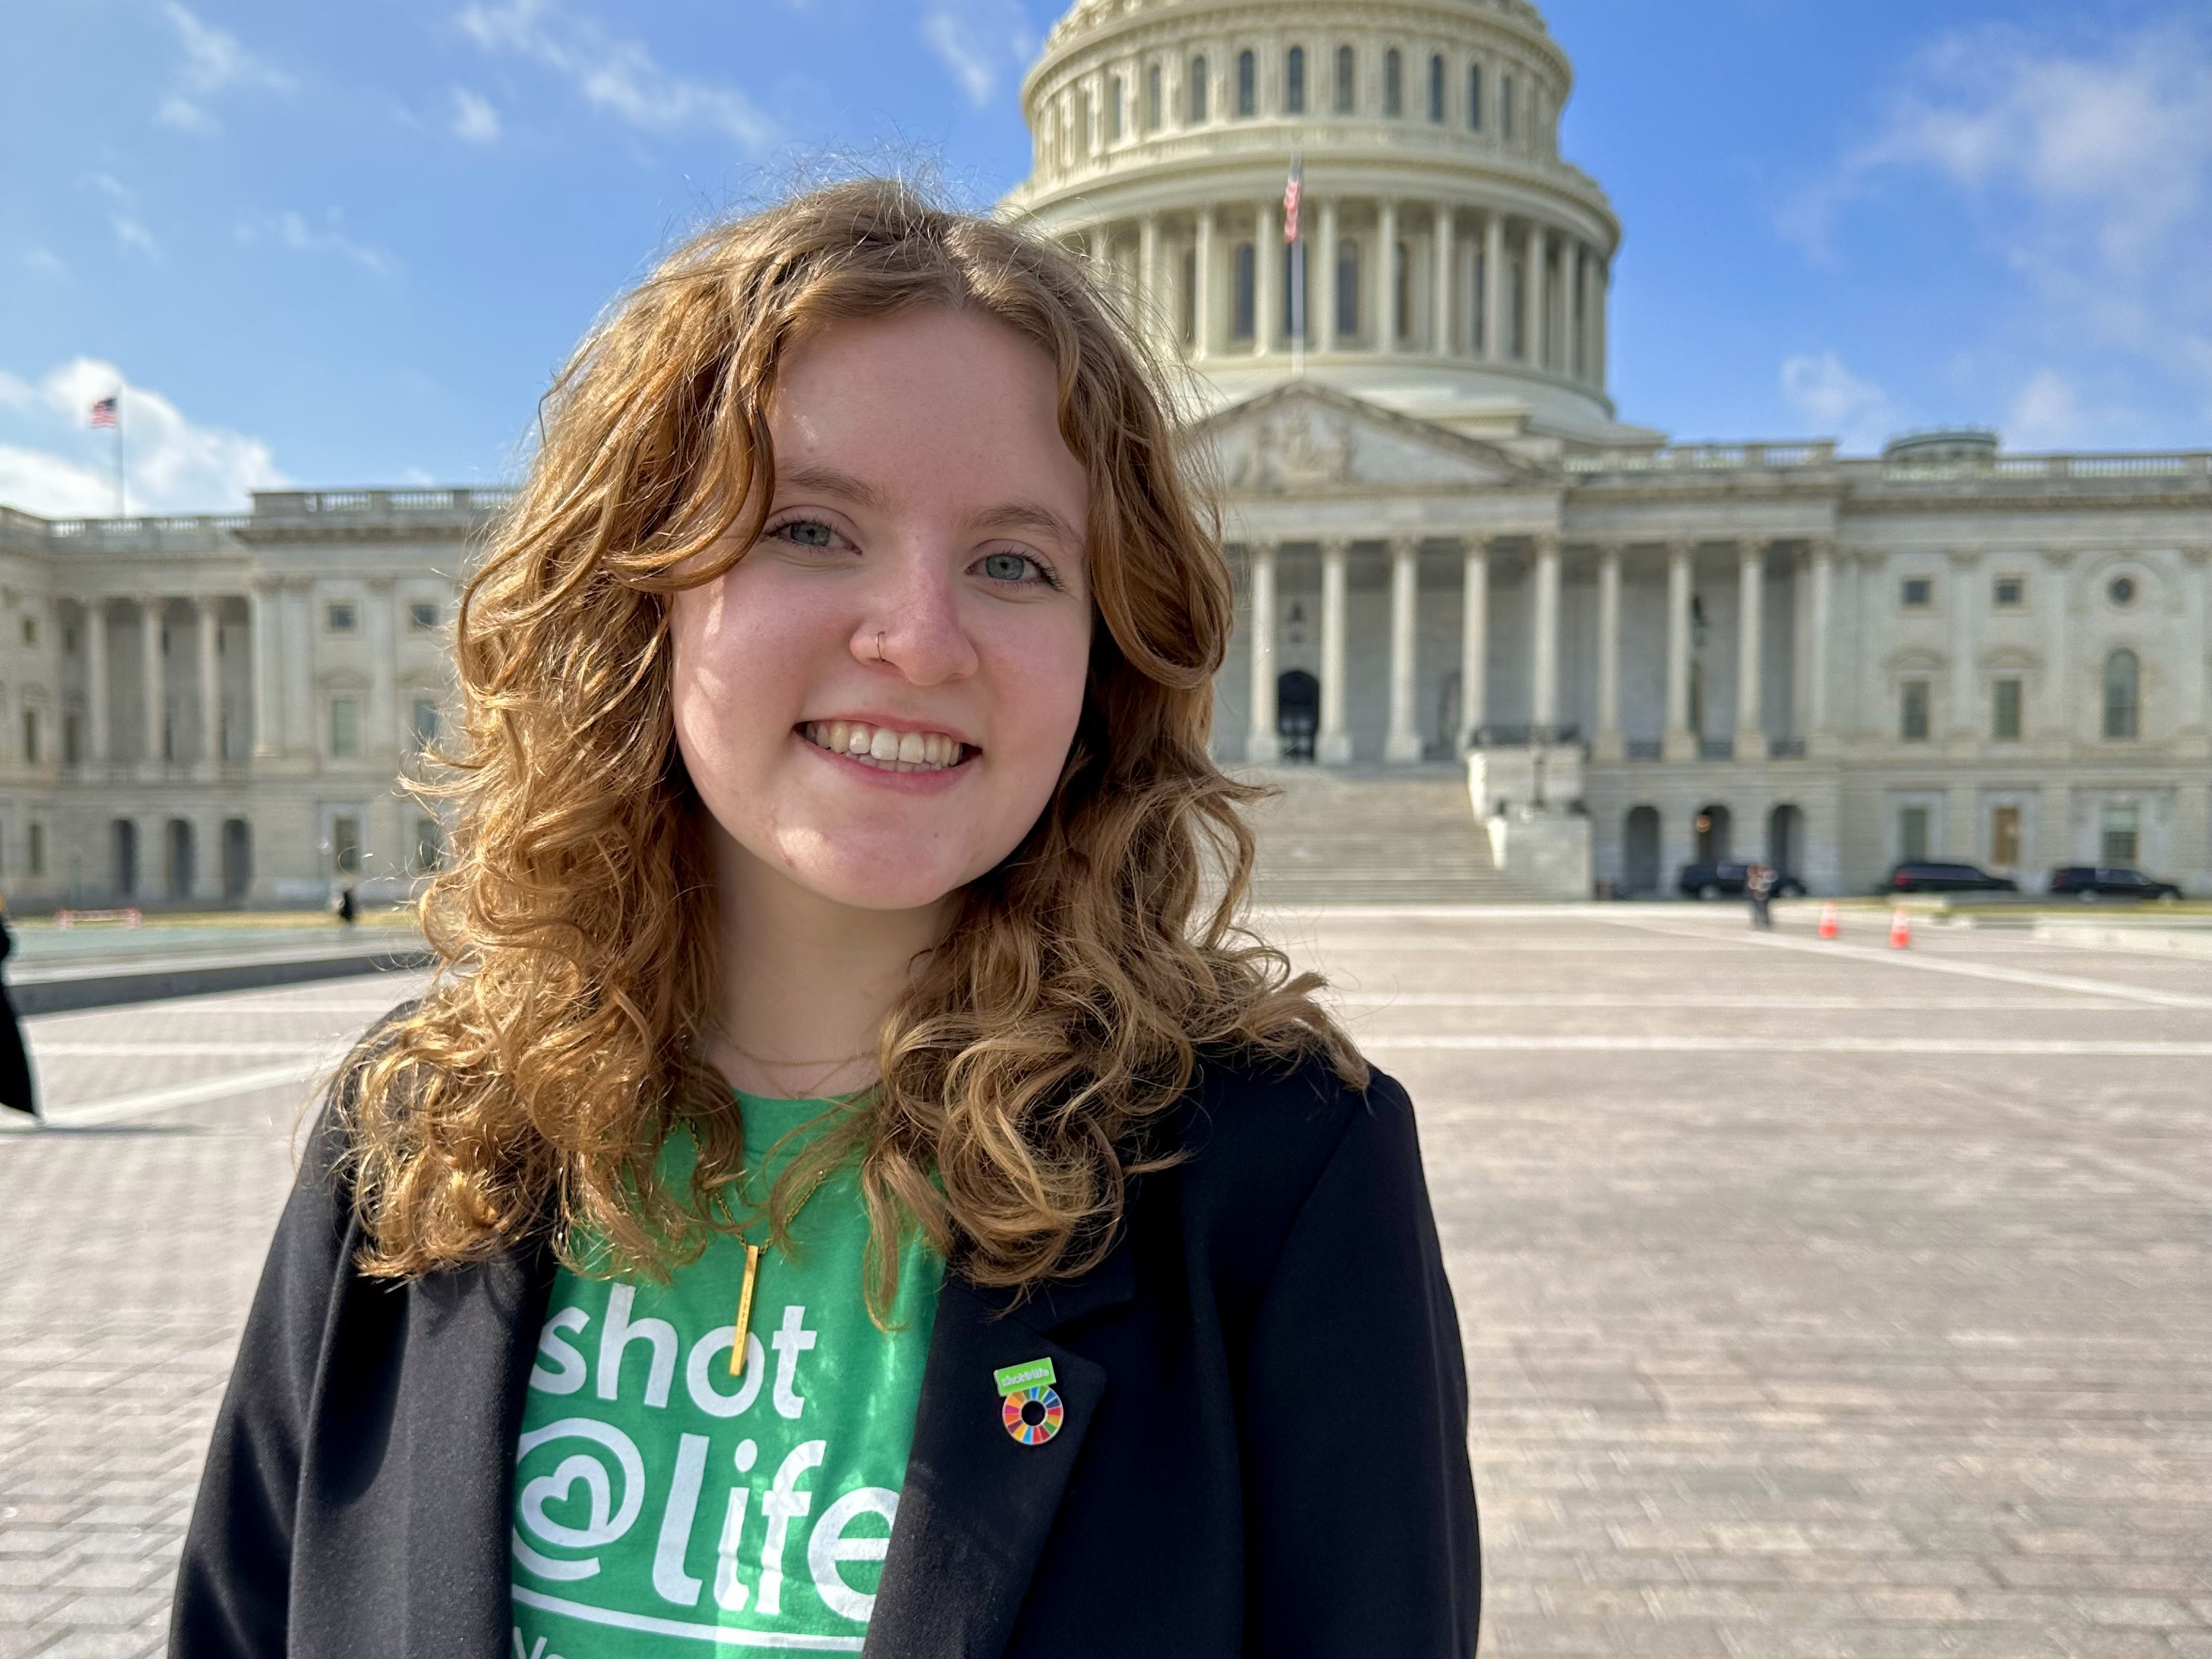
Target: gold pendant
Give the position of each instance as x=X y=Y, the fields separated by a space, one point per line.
x=744 y=1311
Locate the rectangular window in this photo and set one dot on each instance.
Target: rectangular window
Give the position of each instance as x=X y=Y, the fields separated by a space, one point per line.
x=30 y=630
x=1294 y=82
x=1917 y=593
x=1436 y=89
x=422 y=615
x=1197 y=90
x=425 y=724
x=30 y=737
x=2004 y=723
x=345 y=845
x=2117 y=841
x=37 y=849
x=1505 y=107
x=1189 y=297
x=1247 y=84
x=1475 y=97
x=339 y=616
x=1394 y=84
x=1244 y=302
x=1911 y=834
x=345 y=727
x=1912 y=714
x=72 y=738
x=2004 y=838
x=2008 y=593
x=1294 y=284
x=1152 y=99
x=1348 y=290
x=1114 y=110
x=430 y=844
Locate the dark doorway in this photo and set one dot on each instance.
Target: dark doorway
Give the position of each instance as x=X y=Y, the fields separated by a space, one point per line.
x=123 y=834
x=1297 y=714
x=237 y=858
x=1712 y=824
x=181 y=858
x=1785 y=839
x=1639 y=859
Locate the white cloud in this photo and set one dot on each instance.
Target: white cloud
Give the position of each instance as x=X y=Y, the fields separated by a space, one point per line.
x=2089 y=172
x=44 y=261
x=977 y=41
x=1836 y=401
x=617 y=74
x=2046 y=415
x=474 y=119
x=130 y=233
x=51 y=464
x=296 y=233
x=215 y=61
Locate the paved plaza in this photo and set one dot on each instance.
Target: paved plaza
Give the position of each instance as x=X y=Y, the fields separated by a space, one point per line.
x=1819 y=1299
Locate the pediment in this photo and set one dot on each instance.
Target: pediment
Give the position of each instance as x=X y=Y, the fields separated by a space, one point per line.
x=1302 y=439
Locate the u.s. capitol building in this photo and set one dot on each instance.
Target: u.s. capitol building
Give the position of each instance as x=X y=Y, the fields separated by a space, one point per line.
x=1445 y=539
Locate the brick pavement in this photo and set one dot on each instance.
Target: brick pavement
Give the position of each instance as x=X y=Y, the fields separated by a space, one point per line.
x=1815 y=1302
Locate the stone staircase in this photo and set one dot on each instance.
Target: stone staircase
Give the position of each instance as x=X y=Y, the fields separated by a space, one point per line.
x=1372 y=836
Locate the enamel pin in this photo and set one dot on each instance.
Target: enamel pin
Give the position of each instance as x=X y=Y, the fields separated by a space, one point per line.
x=1031 y=1408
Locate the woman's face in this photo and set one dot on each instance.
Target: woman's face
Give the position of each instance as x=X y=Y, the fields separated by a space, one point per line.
x=876 y=702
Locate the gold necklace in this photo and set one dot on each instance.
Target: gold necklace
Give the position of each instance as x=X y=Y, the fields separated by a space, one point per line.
x=753 y=1254
x=832 y=1066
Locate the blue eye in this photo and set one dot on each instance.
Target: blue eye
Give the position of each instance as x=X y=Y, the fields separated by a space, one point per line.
x=1008 y=567
x=807 y=532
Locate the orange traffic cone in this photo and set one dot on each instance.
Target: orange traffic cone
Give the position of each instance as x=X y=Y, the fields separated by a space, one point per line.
x=1900 y=930
x=1829 y=926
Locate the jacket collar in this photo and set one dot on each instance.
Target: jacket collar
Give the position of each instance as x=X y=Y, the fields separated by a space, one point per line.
x=977 y=1504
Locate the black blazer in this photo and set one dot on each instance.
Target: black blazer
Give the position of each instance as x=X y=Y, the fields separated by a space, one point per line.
x=1264 y=1452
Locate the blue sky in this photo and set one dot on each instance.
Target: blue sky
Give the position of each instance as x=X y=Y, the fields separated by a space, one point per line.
x=347 y=245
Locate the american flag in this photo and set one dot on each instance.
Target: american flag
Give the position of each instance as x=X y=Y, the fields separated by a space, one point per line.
x=1292 y=192
x=104 y=414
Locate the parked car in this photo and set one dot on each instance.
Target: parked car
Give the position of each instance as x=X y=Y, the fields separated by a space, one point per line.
x=1924 y=876
x=2087 y=882
x=1725 y=880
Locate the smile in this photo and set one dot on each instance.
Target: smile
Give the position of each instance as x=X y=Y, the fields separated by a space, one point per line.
x=885 y=749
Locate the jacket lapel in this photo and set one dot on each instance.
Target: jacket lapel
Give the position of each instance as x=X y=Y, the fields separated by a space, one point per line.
x=977 y=1504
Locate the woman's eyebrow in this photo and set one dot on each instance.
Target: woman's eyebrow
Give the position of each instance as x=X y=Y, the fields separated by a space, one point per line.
x=834 y=481
x=1029 y=515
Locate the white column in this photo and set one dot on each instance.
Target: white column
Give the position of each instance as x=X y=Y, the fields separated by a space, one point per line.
x=1404 y=743
x=1386 y=277
x=1824 y=585
x=382 y=736
x=1443 y=288
x=1605 y=743
x=1474 y=643
x=1334 y=746
x=1544 y=653
x=1262 y=747
x=1201 y=306
x=1751 y=614
x=1679 y=742
x=152 y=681
x=210 y=685
x=1321 y=272
x=100 y=738
x=1266 y=277
x=1493 y=288
x=1532 y=296
x=260 y=656
x=1151 y=314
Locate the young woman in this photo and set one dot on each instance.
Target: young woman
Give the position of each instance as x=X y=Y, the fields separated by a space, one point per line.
x=851 y=1184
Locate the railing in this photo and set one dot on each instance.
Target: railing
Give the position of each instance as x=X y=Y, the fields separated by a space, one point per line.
x=2182 y=466
x=1523 y=737
x=1706 y=458
x=376 y=503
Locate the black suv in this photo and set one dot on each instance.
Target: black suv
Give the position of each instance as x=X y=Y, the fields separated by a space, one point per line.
x=1925 y=876
x=2085 y=882
x=1725 y=880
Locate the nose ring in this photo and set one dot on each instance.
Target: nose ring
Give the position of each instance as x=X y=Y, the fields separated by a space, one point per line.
x=880 y=645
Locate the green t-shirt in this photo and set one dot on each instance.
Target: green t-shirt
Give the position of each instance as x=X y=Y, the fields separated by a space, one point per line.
x=660 y=1502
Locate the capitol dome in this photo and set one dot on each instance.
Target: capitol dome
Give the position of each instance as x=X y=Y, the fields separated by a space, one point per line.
x=1455 y=267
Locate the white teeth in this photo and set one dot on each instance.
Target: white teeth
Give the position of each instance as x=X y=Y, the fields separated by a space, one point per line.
x=887 y=750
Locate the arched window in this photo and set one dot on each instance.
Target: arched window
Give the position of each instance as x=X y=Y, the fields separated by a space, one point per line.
x=1348 y=290
x=1346 y=80
x=1437 y=89
x=1475 y=97
x=1394 y=82
x=1294 y=82
x=1245 y=311
x=1247 y=84
x=1505 y=107
x=1197 y=90
x=1152 y=99
x=2122 y=694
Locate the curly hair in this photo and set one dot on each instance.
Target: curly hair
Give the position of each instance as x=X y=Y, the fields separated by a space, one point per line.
x=1082 y=983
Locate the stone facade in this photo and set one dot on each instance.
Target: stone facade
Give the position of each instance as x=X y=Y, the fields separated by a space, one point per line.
x=1445 y=539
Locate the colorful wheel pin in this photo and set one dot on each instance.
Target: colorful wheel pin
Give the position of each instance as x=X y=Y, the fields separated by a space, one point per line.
x=1033 y=1416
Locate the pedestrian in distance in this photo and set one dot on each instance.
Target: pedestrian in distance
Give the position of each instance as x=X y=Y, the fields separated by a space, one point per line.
x=1758 y=887
x=852 y=1178
x=346 y=910
x=17 y=1092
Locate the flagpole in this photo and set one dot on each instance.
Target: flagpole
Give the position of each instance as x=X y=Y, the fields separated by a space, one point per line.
x=122 y=495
